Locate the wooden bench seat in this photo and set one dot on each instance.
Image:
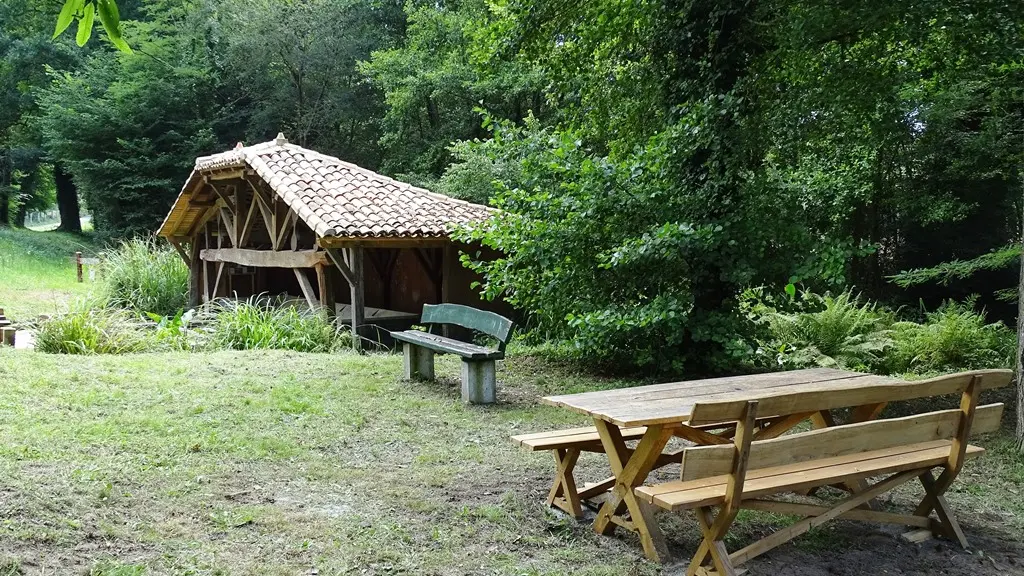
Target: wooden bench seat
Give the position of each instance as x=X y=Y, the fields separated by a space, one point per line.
x=566 y=445
x=716 y=481
x=449 y=345
x=479 y=385
x=676 y=496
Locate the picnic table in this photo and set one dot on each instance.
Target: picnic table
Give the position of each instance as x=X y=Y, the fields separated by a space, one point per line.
x=665 y=411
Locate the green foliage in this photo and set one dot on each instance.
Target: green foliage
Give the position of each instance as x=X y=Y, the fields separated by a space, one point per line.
x=949 y=272
x=90 y=329
x=844 y=331
x=954 y=337
x=140 y=120
x=435 y=86
x=145 y=275
x=294 y=64
x=817 y=330
x=85 y=11
x=259 y=324
x=175 y=332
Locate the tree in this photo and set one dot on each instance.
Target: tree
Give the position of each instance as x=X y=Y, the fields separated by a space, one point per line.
x=129 y=127
x=293 y=66
x=436 y=87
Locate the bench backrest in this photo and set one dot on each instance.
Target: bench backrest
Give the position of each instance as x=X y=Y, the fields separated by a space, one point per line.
x=811 y=398
x=938 y=426
x=489 y=323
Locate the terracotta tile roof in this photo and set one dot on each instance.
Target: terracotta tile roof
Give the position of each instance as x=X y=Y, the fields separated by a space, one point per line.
x=339 y=199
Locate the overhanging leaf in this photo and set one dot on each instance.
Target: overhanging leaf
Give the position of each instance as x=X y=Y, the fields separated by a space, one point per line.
x=67 y=14
x=111 y=20
x=85 y=24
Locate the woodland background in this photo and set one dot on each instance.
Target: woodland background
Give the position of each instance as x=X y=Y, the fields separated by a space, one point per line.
x=681 y=179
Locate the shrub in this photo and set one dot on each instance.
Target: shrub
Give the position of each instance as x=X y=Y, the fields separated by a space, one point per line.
x=91 y=330
x=257 y=323
x=144 y=275
x=954 y=337
x=820 y=330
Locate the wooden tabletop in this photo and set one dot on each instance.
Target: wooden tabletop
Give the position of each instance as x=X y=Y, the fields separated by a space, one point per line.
x=673 y=403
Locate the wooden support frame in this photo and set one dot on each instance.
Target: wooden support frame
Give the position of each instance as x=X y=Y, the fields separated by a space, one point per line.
x=306 y=287
x=181 y=252
x=350 y=262
x=630 y=471
x=563 y=493
x=265 y=258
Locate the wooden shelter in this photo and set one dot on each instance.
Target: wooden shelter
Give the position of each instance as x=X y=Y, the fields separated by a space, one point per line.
x=277 y=218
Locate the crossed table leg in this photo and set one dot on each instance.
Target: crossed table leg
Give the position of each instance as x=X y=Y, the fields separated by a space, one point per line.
x=631 y=467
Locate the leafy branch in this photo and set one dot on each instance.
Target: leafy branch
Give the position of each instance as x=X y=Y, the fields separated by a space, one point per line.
x=85 y=12
x=947 y=272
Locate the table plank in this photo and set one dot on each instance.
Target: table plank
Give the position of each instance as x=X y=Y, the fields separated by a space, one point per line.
x=673 y=402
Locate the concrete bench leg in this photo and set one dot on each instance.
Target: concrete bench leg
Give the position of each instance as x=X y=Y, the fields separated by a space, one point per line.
x=418 y=362
x=478 y=382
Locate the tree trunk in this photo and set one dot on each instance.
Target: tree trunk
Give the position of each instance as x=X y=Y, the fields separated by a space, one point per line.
x=28 y=190
x=67 y=200
x=19 y=216
x=5 y=210
x=1020 y=341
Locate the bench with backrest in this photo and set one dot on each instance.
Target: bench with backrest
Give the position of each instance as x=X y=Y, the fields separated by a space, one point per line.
x=717 y=481
x=478 y=362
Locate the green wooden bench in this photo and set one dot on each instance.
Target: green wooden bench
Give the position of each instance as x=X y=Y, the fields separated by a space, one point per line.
x=478 y=379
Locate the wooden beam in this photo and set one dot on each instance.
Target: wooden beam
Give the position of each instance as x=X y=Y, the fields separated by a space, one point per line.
x=287 y=226
x=228 y=220
x=307 y=288
x=338 y=258
x=200 y=222
x=265 y=258
x=335 y=242
x=250 y=219
x=224 y=198
x=238 y=220
x=227 y=174
x=325 y=287
x=181 y=252
x=220 y=274
x=355 y=258
x=195 y=275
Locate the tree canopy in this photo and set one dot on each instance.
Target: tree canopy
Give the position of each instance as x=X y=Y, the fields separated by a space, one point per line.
x=653 y=159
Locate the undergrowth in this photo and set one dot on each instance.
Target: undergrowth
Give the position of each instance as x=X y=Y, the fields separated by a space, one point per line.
x=810 y=329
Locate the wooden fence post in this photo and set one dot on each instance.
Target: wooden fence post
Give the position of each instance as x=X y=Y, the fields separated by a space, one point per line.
x=78 y=265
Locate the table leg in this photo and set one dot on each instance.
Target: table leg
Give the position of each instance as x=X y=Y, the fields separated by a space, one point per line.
x=630 y=471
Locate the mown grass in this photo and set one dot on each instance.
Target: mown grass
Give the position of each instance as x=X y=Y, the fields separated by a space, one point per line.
x=36 y=272
x=287 y=463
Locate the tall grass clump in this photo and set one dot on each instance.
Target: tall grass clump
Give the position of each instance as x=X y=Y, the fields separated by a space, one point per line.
x=818 y=330
x=954 y=337
x=257 y=323
x=145 y=275
x=88 y=329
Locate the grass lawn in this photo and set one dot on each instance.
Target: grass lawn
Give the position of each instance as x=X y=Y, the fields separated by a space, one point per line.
x=285 y=463
x=36 y=272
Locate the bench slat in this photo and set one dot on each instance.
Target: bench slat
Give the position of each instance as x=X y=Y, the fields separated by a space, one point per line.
x=447 y=345
x=681 y=495
x=570 y=438
x=703 y=461
x=489 y=323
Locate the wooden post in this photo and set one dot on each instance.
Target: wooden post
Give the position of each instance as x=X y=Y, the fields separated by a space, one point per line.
x=78 y=265
x=195 y=275
x=357 y=289
x=325 y=287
